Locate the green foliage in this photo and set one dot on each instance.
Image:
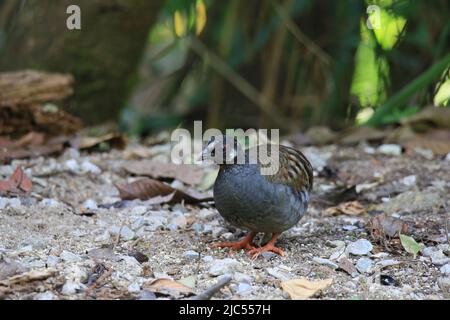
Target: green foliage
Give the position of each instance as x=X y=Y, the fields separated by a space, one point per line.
x=315 y=62
x=410 y=245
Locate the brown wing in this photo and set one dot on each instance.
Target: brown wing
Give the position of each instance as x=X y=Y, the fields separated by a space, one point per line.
x=295 y=170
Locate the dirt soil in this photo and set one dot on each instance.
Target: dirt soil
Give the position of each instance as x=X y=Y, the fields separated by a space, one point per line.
x=68 y=229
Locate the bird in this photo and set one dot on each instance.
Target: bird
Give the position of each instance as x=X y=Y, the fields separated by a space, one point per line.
x=268 y=203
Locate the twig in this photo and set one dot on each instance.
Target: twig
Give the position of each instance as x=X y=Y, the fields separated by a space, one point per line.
x=209 y=293
x=116 y=243
x=299 y=35
x=98 y=281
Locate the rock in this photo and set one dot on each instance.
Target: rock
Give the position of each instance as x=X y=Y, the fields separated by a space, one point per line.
x=348 y=266
x=268 y=255
x=223 y=266
x=206 y=214
x=439 y=258
x=52 y=261
x=316 y=159
x=411 y=201
x=363 y=265
x=280 y=273
x=9 y=202
x=444 y=282
x=191 y=255
x=89 y=167
x=49 y=202
x=47 y=295
x=360 y=247
x=426 y=153
x=207 y=259
x=125 y=232
x=380 y=255
x=155 y=222
x=409 y=181
x=72 y=166
x=71 y=287
x=147 y=295
x=325 y=262
x=134 y=288
x=390 y=149
x=244 y=289
x=445 y=269
x=180 y=222
x=349 y=228
x=242 y=277
x=105 y=254
x=68 y=256
x=227 y=236
x=387 y=263
x=217 y=231
x=11 y=268
x=336 y=243
x=75 y=277
x=139 y=210
x=447 y=157
x=428 y=251
x=89 y=204
x=131 y=266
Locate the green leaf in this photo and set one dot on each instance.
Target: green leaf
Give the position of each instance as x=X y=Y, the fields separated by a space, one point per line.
x=410 y=245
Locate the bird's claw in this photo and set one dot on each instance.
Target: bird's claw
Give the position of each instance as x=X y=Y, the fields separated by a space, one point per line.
x=256 y=252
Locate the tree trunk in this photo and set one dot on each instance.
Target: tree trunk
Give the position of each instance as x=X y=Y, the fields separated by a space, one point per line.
x=102 y=56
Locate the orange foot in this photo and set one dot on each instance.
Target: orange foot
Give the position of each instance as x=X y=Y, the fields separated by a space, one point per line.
x=270 y=246
x=245 y=243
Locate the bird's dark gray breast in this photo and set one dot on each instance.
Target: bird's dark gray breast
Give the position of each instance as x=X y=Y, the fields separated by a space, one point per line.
x=245 y=198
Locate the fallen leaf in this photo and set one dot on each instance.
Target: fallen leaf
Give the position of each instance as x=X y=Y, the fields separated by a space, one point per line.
x=30 y=276
x=147 y=188
x=382 y=225
x=168 y=287
x=20 y=180
x=411 y=201
x=410 y=245
x=189 y=174
x=353 y=208
x=30 y=145
x=17 y=184
x=300 y=289
x=113 y=140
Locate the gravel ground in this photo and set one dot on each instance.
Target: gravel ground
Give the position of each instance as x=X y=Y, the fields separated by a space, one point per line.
x=63 y=230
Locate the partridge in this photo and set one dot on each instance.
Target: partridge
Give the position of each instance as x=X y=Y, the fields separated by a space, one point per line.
x=247 y=198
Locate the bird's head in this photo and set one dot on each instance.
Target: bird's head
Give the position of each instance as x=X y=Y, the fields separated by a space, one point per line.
x=222 y=149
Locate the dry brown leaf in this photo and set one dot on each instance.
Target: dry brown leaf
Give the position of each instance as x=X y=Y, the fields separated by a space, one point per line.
x=33 y=275
x=383 y=225
x=352 y=208
x=189 y=174
x=30 y=145
x=436 y=140
x=300 y=289
x=113 y=139
x=147 y=188
x=18 y=183
x=168 y=287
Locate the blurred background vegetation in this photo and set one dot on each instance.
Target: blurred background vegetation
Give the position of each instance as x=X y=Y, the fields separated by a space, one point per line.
x=288 y=64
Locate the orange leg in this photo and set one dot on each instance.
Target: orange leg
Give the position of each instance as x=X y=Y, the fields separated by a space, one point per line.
x=270 y=246
x=245 y=243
